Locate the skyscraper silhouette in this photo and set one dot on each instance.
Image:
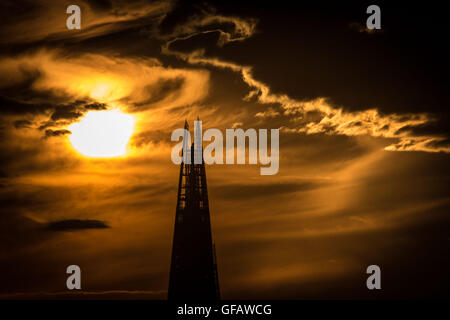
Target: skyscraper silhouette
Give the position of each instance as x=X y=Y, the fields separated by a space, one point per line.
x=193 y=270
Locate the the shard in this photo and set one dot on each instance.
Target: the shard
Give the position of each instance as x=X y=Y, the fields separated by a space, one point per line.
x=193 y=270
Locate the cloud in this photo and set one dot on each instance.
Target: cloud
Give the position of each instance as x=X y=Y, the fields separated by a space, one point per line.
x=75 y=224
x=56 y=133
x=250 y=191
x=96 y=106
x=237 y=125
x=22 y=124
x=427 y=144
x=229 y=28
x=46 y=90
x=65 y=113
x=337 y=203
x=32 y=21
x=135 y=83
x=332 y=120
x=269 y=113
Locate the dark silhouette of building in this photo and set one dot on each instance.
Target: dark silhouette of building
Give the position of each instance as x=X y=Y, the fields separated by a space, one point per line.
x=193 y=270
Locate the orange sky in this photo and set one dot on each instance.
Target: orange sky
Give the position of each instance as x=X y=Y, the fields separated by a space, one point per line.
x=358 y=184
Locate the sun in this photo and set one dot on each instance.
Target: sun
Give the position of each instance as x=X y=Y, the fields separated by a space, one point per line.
x=102 y=134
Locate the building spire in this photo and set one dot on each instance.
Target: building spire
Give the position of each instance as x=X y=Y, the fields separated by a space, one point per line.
x=193 y=270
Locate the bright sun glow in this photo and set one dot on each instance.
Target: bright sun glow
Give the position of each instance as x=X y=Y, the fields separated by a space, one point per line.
x=102 y=134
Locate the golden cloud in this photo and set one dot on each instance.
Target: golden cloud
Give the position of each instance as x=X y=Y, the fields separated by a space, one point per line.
x=138 y=81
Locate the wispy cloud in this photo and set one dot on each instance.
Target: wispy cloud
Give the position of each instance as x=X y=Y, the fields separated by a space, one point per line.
x=48 y=23
x=332 y=120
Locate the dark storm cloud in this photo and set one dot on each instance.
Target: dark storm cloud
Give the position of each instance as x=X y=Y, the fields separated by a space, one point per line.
x=75 y=224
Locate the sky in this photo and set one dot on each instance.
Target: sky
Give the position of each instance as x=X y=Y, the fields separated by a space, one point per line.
x=364 y=146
